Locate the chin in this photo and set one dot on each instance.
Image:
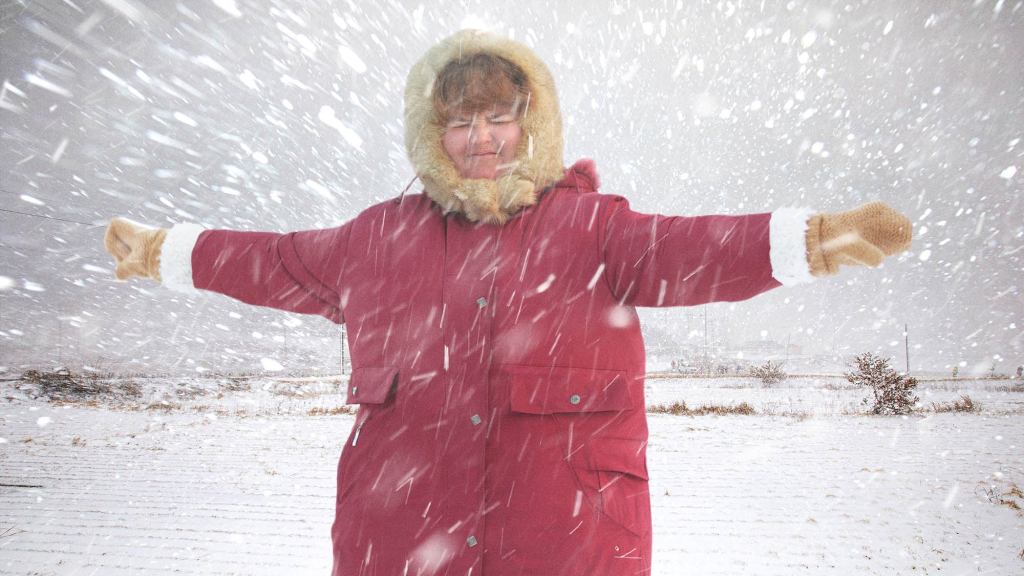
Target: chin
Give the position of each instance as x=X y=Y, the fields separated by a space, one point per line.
x=481 y=174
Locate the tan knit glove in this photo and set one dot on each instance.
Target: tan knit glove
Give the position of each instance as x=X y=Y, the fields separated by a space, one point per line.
x=862 y=236
x=135 y=248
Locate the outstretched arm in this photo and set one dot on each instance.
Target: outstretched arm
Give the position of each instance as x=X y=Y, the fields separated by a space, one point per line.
x=654 y=260
x=298 y=272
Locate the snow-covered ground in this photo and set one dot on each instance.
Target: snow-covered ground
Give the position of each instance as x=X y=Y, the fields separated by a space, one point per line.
x=210 y=476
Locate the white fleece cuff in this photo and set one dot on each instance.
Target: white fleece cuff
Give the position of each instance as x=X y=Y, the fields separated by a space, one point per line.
x=788 y=241
x=176 y=257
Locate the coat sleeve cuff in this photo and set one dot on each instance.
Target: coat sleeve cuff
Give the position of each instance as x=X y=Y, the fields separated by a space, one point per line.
x=788 y=241
x=176 y=257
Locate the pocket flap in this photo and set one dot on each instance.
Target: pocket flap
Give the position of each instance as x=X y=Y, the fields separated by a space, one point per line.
x=557 y=389
x=618 y=455
x=371 y=385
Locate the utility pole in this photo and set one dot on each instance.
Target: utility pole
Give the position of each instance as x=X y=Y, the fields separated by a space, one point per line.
x=707 y=367
x=906 y=346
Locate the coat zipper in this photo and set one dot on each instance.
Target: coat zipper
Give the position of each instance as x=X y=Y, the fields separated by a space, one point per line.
x=355 y=437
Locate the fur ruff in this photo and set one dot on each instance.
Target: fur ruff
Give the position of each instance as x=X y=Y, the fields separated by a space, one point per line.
x=538 y=158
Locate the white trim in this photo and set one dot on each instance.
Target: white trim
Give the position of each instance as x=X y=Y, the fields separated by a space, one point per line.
x=176 y=257
x=788 y=241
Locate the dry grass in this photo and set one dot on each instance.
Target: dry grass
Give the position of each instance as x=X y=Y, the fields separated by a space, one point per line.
x=293 y=392
x=1015 y=491
x=681 y=409
x=799 y=415
x=839 y=386
x=689 y=375
x=62 y=384
x=321 y=411
x=1010 y=498
x=236 y=384
x=163 y=407
x=963 y=404
x=77 y=403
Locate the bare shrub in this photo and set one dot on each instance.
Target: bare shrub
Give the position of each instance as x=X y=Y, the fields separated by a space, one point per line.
x=768 y=373
x=893 y=392
x=963 y=404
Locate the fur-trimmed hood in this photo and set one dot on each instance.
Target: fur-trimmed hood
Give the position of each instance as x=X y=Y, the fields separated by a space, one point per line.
x=538 y=159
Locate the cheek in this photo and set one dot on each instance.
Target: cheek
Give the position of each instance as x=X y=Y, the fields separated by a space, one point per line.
x=454 y=144
x=511 y=136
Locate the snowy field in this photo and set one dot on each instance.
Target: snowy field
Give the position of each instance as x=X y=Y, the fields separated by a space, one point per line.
x=210 y=476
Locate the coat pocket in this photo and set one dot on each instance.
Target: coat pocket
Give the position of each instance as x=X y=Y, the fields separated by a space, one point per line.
x=372 y=385
x=614 y=472
x=561 y=389
x=373 y=388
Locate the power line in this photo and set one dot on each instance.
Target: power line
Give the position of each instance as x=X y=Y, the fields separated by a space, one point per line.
x=50 y=218
x=43 y=215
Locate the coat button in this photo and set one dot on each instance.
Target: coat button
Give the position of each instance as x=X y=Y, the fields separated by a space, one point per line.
x=471 y=541
x=481 y=301
x=354 y=390
x=574 y=399
x=475 y=419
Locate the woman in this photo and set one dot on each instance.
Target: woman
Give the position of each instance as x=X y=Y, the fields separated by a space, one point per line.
x=497 y=357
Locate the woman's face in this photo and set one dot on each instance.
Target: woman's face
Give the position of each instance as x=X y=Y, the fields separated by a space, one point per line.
x=483 y=144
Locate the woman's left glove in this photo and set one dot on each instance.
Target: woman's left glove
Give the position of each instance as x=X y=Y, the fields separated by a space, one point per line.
x=135 y=248
x=862 y=236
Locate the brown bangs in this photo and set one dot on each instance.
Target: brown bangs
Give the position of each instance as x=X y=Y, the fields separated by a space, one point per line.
x=478 y=82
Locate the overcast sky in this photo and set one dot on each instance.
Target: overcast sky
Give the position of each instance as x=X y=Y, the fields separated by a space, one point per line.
x=287 y=115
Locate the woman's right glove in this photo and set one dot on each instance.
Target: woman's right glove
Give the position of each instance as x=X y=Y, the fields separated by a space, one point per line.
x=862 y=236
x=135 y=248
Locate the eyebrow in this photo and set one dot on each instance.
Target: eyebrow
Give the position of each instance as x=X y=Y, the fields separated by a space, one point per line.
x=487 y=114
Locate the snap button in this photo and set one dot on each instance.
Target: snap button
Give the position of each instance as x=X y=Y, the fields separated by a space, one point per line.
x=574 y=399
x=481 y=301
x=471 y=541
x=475 y=418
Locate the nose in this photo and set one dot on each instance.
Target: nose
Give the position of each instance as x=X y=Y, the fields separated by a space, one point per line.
x=481 y=131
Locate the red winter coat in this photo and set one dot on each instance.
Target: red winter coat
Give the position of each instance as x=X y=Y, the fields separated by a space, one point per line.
x=499 y=370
